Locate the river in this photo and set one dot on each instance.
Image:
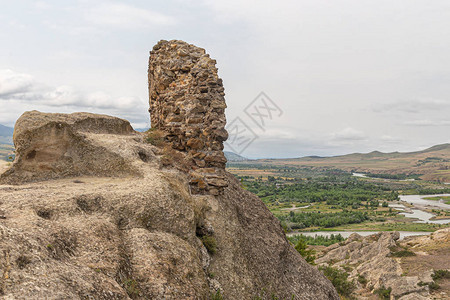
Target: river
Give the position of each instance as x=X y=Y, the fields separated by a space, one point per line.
x=346 y=234
x=359 y=175
x=422 y=216
x=418 y=199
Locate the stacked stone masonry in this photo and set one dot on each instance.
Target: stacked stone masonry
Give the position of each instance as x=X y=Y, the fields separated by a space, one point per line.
x=187 y=103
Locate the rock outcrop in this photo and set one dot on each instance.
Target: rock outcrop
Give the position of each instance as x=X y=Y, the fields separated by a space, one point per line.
x=108 y=219
x=187 y=103
x=373 y=261
x=50 y=146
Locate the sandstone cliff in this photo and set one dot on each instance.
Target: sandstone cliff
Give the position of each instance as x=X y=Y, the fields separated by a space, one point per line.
x=91 y=209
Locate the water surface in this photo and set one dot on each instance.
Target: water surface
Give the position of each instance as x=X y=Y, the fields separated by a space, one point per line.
x=418 y=199
x=346 y=234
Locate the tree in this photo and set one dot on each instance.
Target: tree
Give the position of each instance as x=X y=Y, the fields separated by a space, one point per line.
x=308 y=254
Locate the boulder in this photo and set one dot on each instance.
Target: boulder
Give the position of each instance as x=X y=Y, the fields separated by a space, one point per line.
x=50 y=146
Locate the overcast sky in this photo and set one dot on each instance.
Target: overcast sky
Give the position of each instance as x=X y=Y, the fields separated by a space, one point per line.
x=349 y=76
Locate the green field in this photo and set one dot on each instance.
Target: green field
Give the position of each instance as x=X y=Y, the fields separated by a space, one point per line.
x=313 y=199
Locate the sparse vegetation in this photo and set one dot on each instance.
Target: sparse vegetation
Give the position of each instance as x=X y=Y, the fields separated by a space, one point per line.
x=433 y=285
x=210 y=243
x=217 y=296
x=362 y=279
x=402 y=253
x=155 y=137
x=383 y=293
x=132 y=287
x=439 y=274
x=318 y=239
x=308 y=254
x=339 y=279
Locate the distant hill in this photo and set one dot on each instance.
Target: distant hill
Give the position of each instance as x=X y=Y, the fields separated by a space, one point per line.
x=6 y=131
x=6 y=134
x=432 y=163
x=141 y=129
x=231 y=156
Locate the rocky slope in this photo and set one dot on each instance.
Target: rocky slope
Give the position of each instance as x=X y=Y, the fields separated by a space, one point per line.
x=138 y=235
x=382 y=262
x=91 y=209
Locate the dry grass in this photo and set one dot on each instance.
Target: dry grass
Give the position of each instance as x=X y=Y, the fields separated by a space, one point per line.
x=155 y=137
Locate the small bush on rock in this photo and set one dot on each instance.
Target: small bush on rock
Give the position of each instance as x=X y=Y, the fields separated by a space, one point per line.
x=403 y=253
x=383 y=293
x=217 y=296
x=210 y=243
x=308 y=254
x=155 y=137
x=438 y=274
x=339 y=279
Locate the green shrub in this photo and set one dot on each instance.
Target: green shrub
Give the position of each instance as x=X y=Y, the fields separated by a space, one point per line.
x=438 y=274
x=362 y=279
x=339 y=279
x=403 y=253
x=421 y=283
x=384 y=293
x=433 y=286
x=308 y=254
x=210 y=243
x=318 y=239
x=217 y=296
x=347 y=268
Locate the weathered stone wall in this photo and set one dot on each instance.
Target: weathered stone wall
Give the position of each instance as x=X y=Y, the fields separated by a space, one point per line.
x=187 y=103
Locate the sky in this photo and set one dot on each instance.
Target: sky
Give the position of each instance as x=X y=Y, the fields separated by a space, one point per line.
x=345 y=75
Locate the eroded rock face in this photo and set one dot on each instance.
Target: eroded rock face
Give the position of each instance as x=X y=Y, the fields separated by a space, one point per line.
x=52 y=146
x=371 y=258
x=137 y=237
x=187 y=102
x=140 y=237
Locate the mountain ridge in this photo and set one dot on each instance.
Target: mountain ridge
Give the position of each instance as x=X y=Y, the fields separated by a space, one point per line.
x=6 y=131
x=432 y=163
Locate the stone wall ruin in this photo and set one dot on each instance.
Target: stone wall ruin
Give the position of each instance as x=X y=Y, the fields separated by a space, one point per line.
x=187 y=103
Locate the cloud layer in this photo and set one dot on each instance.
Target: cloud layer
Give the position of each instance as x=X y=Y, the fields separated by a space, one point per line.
x=20 y=92
x=349 y=75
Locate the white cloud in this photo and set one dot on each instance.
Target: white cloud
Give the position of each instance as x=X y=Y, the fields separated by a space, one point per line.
x=12 y=82
x=426 y=122
x=349 y=134
x=414 y=106
x=20 y=92
x=126 y=16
